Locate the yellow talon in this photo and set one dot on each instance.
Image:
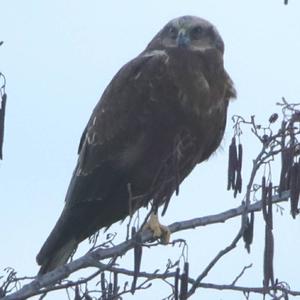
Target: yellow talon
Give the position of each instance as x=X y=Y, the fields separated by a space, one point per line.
x=159 y=230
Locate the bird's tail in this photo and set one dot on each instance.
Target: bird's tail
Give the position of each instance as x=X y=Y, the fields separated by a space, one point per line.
x=56 y=258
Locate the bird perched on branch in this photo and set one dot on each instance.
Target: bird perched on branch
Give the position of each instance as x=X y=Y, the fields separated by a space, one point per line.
x=163 y=113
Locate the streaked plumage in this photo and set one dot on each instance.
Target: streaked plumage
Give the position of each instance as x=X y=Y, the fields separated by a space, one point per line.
x=162 y=113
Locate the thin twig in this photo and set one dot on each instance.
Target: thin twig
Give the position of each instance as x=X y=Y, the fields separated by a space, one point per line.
x=241 y=274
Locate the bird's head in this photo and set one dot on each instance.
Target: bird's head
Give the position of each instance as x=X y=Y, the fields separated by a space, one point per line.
x=189 y=32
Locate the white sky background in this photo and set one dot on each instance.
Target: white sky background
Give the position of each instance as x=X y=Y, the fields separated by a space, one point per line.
x=58 y=56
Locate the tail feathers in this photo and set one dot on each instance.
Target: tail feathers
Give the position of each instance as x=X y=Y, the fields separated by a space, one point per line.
x=57 y=258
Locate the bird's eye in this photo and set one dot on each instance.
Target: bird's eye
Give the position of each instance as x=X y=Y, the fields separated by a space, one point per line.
x=172 y=31
x=197 y=32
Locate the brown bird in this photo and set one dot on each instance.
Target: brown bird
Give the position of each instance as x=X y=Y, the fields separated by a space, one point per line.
x=162 y=114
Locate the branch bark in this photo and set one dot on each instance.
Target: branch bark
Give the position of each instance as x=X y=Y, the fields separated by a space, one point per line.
x=92 y=259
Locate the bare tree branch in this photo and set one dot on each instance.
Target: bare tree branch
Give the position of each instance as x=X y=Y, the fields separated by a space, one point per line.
x=214 y=261
x=42 y=283
x=260 y=290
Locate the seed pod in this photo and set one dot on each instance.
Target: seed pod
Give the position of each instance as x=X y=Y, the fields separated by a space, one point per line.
x=115 y=288
x=264 y=197
x=265 y=139
x=291 y=131
x=176 y=281
x=294 y=188
x=269 y=241
x=103 y=288
x=248 y=232
x=298 y=179
x=238 y=183
x=273 y=118
x=77 y=294
x=268 y=257
x=2 y=117
x=186 y=269
x=137 y=258
x=282 y=183
x=184 y=282
x=296 y=116
x=232 y=164
x=270 y=204
x=240 y=157
x=110 y=291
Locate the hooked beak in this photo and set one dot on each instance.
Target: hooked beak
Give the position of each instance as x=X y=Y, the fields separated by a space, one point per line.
x=183 y=39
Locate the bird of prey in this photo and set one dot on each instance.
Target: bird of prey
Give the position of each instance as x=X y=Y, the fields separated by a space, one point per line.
x=163 y=113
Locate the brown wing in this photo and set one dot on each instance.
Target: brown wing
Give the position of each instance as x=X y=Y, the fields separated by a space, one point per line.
x=122 y=124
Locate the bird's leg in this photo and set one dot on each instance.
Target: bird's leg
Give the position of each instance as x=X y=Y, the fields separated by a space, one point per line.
x=159 y=230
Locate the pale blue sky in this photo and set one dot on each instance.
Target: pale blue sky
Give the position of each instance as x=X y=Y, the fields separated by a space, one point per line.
x=58 y=56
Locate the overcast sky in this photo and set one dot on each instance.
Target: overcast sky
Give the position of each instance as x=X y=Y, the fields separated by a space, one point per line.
x=58 y=56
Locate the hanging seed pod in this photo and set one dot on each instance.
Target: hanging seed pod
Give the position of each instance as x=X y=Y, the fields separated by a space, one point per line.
x=184 y=282
x=273 y=118
x=265 y=139
x=288 y=177
x=186 y=269
x=268 y=257
x=176 y=282
x=115 y=287
x=137 y=258
x=248 y=232
x=289 y=164
x=270 y=204
x=291 y=130
x=298 y=179
x=110 y=291
x=296 y=116
x=240 y=157
x=232 y=164
x=238 y=183
x=77 y=294
x=103 y=288
x=294 y=189
x=264 y=197
x=282 y=182
x=269 y=241
x=2 y=117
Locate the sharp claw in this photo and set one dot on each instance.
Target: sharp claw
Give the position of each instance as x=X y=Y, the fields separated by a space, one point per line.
x=159 y=230
x=166 y=234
